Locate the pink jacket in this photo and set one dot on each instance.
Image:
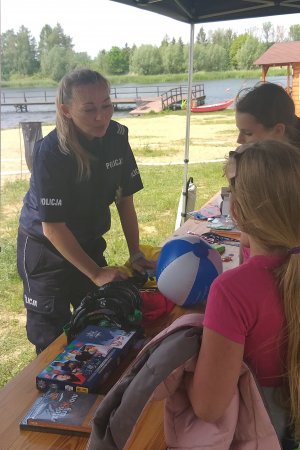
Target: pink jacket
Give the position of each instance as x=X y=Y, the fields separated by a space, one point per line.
x=157 y=374
x=246 y=424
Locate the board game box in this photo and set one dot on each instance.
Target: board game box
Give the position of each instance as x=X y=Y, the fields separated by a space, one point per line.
x=87 y=362
x=62 y=412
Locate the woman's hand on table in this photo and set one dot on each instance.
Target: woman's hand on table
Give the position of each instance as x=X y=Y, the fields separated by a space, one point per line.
x=140 y=263
x=107 y=275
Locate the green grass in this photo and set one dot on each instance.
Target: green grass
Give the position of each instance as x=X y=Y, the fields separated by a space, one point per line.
x=38 y=81
x=156 y=207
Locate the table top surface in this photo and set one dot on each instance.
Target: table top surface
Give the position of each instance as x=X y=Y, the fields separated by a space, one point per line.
x=19 y=394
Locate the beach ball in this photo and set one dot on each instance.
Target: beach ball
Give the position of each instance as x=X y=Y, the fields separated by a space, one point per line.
x=186 y=267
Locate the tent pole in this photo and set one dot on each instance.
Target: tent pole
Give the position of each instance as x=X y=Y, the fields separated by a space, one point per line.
x=188 y=120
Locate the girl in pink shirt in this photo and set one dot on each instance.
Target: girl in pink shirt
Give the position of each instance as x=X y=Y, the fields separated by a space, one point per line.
x=265 y=111
x=253 y=311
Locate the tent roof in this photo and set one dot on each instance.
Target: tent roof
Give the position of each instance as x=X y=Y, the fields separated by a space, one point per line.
x=202 y=11
x=282 y=53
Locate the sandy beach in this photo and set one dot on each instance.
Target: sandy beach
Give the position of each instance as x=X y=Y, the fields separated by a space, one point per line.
x=155 y=139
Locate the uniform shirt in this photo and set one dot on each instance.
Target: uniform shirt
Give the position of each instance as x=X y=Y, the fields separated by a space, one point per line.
x=56 y=195
x=244 y=306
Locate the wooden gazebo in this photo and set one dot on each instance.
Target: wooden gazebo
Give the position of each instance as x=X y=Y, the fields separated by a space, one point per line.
x=284 y=54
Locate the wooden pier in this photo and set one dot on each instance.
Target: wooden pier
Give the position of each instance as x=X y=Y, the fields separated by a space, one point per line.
x=172 y=99
x=139 y=99
x=21 y=106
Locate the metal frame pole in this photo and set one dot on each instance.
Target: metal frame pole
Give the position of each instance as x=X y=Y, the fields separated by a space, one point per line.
x=188 y=122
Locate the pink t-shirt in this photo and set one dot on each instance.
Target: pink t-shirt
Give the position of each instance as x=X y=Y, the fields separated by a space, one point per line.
x=244 y=306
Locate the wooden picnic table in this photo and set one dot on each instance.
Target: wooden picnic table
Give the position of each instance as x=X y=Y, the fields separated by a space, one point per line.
x=19 y=394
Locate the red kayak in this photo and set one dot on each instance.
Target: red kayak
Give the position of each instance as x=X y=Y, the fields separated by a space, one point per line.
x=213 y=107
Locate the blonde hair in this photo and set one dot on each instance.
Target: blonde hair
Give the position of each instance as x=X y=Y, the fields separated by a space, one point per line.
x=266 y=205
x=67 y=135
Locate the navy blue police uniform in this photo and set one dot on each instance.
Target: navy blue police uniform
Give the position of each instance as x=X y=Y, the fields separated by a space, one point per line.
x=51 y=284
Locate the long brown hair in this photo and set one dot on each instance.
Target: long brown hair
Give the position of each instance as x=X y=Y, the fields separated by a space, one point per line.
x=270 y=104
x=66 y=131
x=266 y=203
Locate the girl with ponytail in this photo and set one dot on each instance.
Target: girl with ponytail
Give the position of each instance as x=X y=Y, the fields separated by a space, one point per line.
x=253 y=311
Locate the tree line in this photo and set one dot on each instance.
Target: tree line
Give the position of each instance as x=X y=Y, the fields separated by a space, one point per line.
x=218 y=50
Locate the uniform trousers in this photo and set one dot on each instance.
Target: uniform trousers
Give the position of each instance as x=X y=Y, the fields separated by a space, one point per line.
x=51 y=285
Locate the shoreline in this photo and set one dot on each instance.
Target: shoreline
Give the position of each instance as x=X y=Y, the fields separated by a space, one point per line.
x=151 y=79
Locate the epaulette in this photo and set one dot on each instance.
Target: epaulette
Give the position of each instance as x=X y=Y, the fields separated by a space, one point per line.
x=120 y=129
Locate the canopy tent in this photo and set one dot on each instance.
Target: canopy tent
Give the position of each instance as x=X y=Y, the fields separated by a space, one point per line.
x=204 y=11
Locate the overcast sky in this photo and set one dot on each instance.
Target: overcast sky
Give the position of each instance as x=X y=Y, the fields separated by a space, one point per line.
x=94 y=25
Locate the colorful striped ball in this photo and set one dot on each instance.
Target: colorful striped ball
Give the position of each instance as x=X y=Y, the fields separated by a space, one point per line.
x=186 y=267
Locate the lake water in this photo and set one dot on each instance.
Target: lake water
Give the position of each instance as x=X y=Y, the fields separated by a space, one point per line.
x=215 y=91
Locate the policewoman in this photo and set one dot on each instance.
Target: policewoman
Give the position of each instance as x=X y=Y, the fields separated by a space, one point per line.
x=79 y=169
